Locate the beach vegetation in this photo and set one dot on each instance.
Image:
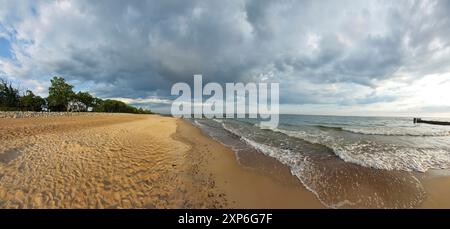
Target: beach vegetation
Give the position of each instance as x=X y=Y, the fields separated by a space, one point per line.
x=32 y=102
x=61 y=98
x=9 y=96
x=85 y=98
x=115 y=106
x=59 y=94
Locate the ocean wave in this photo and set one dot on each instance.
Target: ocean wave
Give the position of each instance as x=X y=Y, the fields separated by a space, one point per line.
x=362 y=152
x=320 y=178
x=389 y=157
x=380 y=156
x=329 y=127
x=398 y=132
x=218 y=120
x=389 y=131
x=286 y=157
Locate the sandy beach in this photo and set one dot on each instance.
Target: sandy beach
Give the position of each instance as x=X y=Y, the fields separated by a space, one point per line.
x=130 y=161
x=144 y=161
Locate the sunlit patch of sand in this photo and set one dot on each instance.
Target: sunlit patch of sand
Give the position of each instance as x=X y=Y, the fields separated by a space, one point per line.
x=131 y=161
x=120 y=161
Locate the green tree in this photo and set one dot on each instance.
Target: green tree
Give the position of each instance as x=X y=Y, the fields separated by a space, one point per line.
x=59 y=94
x=98 y=105
x=61 y=97
x=9 y=96
x=85 y=98
x=114 y=106
x=38 y=103
x=31 y=102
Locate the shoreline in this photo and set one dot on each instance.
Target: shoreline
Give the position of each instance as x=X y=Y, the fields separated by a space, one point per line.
x=437 y=187
x=244 y=187
x=436 y=183
x=130 y=161
x=151 y=161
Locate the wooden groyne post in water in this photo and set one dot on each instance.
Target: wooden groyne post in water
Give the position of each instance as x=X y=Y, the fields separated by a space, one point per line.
x=419 y=120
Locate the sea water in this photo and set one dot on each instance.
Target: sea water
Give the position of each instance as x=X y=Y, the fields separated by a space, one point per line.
x=345 y=161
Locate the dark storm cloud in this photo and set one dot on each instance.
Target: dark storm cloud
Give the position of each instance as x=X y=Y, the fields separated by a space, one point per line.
x=145 y=46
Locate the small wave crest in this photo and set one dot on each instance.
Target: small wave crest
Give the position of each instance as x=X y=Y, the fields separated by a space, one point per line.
x=397 y=132
x=388 y=131
x=377 y=155
x=360 y=151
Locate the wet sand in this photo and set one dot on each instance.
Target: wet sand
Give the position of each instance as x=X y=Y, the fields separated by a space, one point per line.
x=437 y=187
x=244 y=187
x=149 y=161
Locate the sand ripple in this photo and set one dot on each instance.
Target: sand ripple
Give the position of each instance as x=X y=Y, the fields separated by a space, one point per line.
x=120 y=161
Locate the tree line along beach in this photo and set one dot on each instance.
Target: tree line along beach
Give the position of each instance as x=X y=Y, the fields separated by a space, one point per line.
x=61 y=98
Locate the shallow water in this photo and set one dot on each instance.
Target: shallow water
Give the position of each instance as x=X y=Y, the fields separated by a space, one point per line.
x=345 y=161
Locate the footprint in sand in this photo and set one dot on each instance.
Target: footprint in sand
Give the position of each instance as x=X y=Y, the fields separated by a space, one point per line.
x=10 y=155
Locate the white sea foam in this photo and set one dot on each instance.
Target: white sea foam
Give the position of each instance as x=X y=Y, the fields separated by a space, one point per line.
x=218 y=120
x=286 y=157
x=362 y=152
x=380 y=156
x=310 y=174
x=398 y=131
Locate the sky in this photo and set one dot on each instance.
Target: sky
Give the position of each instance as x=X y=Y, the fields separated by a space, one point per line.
x=389 y=58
